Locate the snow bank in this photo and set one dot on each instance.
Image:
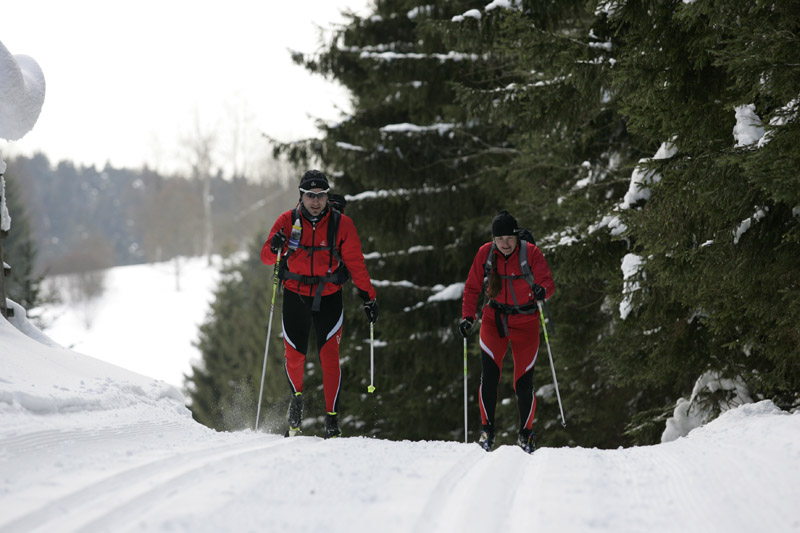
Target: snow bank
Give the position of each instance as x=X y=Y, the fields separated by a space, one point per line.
x=695 y=412
x=41 y=378
x=20 y=321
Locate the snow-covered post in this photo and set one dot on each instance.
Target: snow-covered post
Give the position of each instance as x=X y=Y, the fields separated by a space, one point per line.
x=5 y=225
x=21 y=97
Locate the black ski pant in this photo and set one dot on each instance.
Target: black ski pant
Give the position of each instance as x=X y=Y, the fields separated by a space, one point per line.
x=490 y=379
x=298 y=319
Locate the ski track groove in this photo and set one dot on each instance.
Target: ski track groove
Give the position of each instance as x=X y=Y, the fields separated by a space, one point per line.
x=47 y=438
x=690 y=485
x=78 y=510
x=679 y=490
x=430 y=518
x=171 y=483
x=695 y=487
x=460 y=501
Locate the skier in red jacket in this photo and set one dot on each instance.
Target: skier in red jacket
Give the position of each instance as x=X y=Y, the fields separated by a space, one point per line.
x=313 y=270
x=511 y=314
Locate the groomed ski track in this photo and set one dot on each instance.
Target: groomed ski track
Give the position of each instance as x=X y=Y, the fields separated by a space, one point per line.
x=144 y=470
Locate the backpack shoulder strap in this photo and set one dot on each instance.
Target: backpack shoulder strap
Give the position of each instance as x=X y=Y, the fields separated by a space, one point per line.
x=333 y=233
x=524 y=266
x=487 y=268
x=489 y=264
x=283 y=268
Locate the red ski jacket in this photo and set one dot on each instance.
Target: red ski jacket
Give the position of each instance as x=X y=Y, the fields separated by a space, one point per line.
x=506 y=266
x=306 y=263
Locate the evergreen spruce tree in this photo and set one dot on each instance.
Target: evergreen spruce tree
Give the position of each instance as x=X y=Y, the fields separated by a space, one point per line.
x=20 y=252
x=572 y=153
x=718 y=233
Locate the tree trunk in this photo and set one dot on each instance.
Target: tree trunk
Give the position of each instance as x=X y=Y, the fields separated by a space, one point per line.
x=208 y=233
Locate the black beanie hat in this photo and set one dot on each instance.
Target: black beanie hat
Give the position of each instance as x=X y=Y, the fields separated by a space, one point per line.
x=504 y=224
x=314 y=179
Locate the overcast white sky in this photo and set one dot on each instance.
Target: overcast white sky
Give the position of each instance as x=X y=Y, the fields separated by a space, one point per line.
x=126 y=80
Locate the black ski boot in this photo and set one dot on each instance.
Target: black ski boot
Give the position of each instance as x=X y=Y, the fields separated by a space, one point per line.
x=526 y=441
x=486 y=440
x=332 y=426
x=295 y=414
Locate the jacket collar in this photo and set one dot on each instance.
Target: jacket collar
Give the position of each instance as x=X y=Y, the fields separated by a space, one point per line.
x=311 y=218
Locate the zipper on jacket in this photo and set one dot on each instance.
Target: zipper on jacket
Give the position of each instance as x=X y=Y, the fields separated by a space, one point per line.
x=311 y=253
x=506 y=280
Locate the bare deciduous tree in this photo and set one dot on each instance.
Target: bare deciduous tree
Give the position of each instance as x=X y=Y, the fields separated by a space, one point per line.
x=201 y=148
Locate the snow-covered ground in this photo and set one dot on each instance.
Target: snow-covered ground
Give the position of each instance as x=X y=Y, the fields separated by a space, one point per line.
x=88 y=446
x=145 y=320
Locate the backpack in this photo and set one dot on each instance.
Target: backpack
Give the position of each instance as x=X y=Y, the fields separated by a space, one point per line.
x=525 y=239
x=504 y=309
x=337 y=277
x=527 y=274
x=525 y=268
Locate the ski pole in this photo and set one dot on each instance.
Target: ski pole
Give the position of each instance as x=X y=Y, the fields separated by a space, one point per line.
x=269 y=332
x=465 y=390
x=371 y=388
x=552 y=366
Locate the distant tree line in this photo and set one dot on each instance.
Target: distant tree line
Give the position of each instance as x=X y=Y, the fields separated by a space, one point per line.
x=83 y=218
x=613 y=130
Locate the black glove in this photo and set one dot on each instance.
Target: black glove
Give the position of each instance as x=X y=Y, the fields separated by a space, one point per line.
x=277 y=242
x=371 y=308
x=465 y=326
x=538 y=292
x=525 y=235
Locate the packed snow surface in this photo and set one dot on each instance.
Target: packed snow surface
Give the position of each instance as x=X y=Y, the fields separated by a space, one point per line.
x=88 y=446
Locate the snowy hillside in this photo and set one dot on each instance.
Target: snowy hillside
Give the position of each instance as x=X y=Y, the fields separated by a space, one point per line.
x=88 y=446
x=145 y=320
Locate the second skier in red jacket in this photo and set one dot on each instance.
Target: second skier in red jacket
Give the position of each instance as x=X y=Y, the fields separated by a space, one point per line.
x=511 y=315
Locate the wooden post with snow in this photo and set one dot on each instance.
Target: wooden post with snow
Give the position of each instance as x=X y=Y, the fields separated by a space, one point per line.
x=5 y=311
x=21 y=98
